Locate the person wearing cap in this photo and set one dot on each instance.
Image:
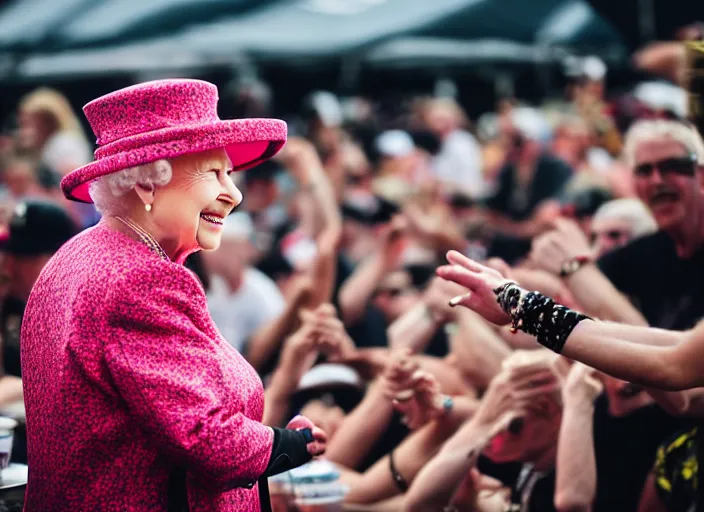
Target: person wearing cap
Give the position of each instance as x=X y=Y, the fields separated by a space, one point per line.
x=37 y=230
x=459 y=161
x=134 y=400
x=531 y=179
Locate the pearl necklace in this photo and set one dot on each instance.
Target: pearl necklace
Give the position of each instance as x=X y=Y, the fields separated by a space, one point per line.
x=145 y=237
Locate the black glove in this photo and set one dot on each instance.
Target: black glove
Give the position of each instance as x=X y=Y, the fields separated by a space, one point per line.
x=289 y=450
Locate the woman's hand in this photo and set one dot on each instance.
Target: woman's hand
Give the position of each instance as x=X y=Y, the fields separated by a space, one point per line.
x=320 y=438
x=480 y=281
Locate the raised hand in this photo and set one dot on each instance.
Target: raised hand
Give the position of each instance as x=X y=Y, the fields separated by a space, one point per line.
x=551 y=250
x=480 y=282
x=413 y=392
x=331 y=337
x=425 y=404
x=582 y=383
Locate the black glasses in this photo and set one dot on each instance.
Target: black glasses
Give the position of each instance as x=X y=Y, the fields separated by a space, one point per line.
x=682 y=166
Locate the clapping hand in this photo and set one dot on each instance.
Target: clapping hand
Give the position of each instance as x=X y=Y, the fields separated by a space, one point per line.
x=320 y=332
x=413 y=392
x=329 y=331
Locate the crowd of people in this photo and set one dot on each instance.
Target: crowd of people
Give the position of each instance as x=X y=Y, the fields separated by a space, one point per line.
x=325 y=283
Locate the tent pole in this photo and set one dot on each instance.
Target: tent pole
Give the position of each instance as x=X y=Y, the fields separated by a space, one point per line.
x=350 y=69
x=646 y=20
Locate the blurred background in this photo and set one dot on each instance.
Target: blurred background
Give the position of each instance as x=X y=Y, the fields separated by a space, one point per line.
x=483 y=126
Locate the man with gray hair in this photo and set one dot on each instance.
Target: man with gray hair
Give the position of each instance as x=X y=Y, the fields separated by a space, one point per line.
x=662 y=273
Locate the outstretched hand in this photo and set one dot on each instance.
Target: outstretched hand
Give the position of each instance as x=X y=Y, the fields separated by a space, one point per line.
x=480 y=282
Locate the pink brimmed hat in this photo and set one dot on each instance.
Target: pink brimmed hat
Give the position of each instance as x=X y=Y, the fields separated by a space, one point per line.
x=166 y=119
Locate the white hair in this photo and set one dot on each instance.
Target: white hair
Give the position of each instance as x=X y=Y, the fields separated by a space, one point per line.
x=652 y=129
x=106 y=192
x=631 y=211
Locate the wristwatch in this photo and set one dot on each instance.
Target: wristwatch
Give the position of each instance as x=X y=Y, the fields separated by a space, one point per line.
x=572 y=265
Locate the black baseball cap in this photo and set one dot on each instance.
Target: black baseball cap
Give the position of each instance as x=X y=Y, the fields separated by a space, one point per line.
x=38 y=227
x=585 y=202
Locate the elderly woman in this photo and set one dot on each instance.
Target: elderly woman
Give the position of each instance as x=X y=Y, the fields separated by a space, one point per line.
x=134 y=400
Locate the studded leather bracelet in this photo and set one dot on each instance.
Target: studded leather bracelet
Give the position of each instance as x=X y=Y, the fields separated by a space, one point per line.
x=538 y=315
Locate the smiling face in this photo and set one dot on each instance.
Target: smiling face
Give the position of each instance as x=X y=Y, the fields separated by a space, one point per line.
x=666 y=181
x=188 y=213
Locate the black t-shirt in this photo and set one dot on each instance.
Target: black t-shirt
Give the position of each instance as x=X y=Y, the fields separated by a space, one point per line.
x=625 y=449
x=551 y=176
x=677 y=471
x=536 y=488
x=667 y=290
x=11 y=315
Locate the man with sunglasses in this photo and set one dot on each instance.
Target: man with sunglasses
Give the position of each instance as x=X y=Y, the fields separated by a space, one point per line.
x=655 y=280
x=662 y=274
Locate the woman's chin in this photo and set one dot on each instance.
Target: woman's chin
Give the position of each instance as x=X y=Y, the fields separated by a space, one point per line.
x=208 y=241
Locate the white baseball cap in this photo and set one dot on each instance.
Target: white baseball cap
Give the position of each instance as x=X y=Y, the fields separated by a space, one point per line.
x=395 y=143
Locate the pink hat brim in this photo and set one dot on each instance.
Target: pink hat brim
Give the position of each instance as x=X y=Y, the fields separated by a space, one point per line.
x=248 y=142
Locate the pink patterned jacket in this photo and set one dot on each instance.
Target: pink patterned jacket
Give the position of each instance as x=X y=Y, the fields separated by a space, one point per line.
x=126 y=380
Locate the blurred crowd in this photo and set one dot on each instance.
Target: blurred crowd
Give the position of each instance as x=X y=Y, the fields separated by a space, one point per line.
x=325 y=282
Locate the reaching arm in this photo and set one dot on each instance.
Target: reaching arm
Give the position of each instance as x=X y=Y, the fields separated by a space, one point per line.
x=359 y=288
x=635 y=354
x=642 y=355
x=437 y=481
x=361 y=429
x=591 y=288
x=409 y=458
x=575 y=479
x=267 y=340
x=323 y=222
x=479 y=350
x=600 y=298
x=414 y=329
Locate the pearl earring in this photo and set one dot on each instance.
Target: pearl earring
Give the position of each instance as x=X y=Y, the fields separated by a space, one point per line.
x=148 y=207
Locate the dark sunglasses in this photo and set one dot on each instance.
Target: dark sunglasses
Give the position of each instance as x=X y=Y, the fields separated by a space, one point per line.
x=614 y=235
x=682 y=166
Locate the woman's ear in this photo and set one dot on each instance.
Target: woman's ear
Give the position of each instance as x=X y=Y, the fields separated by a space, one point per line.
x=146 y=195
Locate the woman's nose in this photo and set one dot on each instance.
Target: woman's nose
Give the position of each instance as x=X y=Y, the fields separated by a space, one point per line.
x=232 y=190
